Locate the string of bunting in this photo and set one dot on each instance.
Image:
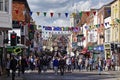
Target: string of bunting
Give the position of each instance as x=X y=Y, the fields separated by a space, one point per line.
x=59 y=14
x=103 y=25
x=54 y=28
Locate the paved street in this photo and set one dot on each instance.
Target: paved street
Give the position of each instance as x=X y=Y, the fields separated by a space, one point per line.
x=71 y=76
x=76 y=75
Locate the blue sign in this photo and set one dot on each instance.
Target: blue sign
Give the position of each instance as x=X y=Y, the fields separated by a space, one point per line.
x=95 y=48
x=100 y=48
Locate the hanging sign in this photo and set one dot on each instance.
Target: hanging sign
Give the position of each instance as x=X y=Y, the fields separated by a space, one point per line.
x=17 y=50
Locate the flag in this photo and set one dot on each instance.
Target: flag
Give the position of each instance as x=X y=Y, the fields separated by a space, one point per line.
x=51 y=14
x=38 y=13
x=66 y=14
x=88 y=13
x=94 y=12
x=59 y=14
x=117 y=20
x=45 y=13
x=31 y=13
x=80 y=14
x=57 y=29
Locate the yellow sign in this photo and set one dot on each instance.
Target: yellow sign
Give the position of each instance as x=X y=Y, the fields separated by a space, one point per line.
x=17 y=50
x=107 y=46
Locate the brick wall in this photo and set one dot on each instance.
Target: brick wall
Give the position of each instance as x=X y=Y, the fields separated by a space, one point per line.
x=17 y=12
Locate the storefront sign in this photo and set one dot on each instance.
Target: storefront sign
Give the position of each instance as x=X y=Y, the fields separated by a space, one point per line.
x=90 y=48
x=107 y=46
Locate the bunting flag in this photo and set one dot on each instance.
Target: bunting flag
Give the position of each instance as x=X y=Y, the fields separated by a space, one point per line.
x=94 y=12
x=88 y=13
x=105 y=24
x=51 y=14
x=38 y=13
x=57 y=29
x=31 y=13
x=48 y=28
x=45 y=13
x=117 y=20
x=66 y=14
x=102 y=25
x=80 y=14
x=59 y=14
x=86 y=27
x=73 y=14
x=76 y=29
x=65 y=29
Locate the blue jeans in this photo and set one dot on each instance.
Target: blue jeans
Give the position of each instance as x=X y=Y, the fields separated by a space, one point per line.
x=99 y=69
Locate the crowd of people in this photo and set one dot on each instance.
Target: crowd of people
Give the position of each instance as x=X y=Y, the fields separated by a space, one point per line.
x=57 y=63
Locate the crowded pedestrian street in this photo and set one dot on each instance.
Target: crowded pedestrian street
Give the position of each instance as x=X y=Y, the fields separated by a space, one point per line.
x=59 y=39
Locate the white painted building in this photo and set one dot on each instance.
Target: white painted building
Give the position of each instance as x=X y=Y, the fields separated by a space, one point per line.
x=108 y=30
x=5 y=19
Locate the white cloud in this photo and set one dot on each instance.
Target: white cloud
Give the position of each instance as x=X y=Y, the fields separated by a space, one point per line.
x=60 y=22
x=83 y=6
x=60 y=6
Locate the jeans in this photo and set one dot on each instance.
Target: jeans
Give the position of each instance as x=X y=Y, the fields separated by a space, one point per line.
x=99 y=69
x=56 y=70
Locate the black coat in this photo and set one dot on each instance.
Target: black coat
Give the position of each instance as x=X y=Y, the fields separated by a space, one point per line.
x=62 y=63
x=13 y=64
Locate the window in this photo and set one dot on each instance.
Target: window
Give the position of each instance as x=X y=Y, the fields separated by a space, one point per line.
x=4 y=5
x=1 y=5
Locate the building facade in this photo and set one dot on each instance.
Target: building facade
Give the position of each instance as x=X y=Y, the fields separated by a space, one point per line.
x=115 y=29
x=5 y=25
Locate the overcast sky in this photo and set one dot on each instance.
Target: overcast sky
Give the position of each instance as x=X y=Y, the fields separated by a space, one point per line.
x=60 y=6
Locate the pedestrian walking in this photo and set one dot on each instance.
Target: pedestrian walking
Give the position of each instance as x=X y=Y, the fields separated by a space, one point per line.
x=108 y=63
x=68 y=63
x=86 y=64
x=62 y=65
x=23 y=64
x=91 y=61
x=55 y=65
x=39 y=65
x=80 y=64
x=8 y=66
x=13 y=65
x=99 y=66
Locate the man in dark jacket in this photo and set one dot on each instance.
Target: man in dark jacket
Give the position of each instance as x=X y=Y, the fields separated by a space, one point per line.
x=23 y=64
x=13 y=65
x=62 y=65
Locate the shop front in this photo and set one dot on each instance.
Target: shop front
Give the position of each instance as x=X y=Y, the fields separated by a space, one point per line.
x=15 y=50
x=98 y=51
